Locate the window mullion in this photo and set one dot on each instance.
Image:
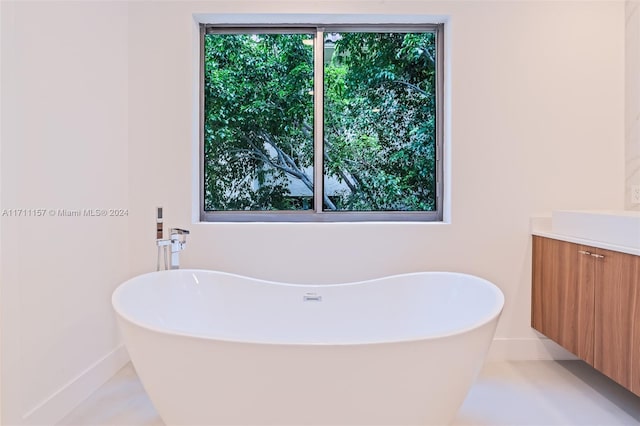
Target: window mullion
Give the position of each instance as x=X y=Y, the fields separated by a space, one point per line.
x=318 y=121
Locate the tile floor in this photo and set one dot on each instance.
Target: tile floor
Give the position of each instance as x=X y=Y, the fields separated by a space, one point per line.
x=535 y=393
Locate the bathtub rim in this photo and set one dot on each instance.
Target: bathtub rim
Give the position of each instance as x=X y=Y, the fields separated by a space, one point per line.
x=494 y=313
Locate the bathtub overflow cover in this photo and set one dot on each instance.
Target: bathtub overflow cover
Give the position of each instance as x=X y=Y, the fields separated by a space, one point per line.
x=312 y=297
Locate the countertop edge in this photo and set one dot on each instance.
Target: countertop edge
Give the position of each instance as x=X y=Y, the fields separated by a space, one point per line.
x=541 y=226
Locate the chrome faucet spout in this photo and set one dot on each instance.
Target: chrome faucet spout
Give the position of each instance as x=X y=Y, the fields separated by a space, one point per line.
x=176 y=243
x=179 y=231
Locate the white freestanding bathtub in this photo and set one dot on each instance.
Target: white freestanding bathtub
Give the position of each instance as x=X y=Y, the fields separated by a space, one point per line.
x=213 y=348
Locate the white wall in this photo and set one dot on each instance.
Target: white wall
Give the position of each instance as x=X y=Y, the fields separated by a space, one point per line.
x=98 y=111
x=632 y=86
x=537 y=123
x=64 y=146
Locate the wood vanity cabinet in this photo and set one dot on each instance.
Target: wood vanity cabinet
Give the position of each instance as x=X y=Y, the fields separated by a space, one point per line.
x=587 y=299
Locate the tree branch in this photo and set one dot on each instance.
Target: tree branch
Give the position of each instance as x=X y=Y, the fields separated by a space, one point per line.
x=412 y=86
x=350 y=180
x=286 y=164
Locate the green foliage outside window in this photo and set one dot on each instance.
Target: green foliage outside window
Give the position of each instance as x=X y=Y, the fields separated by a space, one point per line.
x=379 y=147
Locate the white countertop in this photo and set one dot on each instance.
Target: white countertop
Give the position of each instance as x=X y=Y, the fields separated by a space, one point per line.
x=541 y=226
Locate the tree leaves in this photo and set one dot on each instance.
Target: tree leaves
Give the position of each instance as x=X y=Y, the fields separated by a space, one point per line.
x=379 y=122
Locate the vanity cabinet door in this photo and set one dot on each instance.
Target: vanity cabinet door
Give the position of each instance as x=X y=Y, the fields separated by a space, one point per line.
x=635 y=336
x=617 y=325
x=563 y=294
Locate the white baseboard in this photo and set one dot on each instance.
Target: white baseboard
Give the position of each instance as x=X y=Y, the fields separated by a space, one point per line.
x=62 y=402
x=527 y=349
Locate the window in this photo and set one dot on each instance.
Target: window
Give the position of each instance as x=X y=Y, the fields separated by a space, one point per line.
x=321 y=124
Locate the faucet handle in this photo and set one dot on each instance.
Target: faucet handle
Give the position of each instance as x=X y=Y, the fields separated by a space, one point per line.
x=179 y=231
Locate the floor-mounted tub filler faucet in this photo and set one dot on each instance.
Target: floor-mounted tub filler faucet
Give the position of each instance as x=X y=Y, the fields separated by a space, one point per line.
x=176 y=243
